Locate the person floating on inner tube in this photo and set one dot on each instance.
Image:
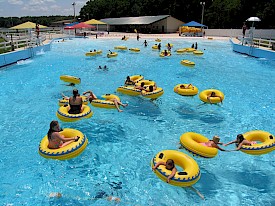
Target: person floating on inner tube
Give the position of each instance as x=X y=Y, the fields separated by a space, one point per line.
x=240 y=141
x=57 y=140
x=213 y=94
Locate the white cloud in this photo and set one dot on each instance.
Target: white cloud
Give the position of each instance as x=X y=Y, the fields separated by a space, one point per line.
x=16 y=2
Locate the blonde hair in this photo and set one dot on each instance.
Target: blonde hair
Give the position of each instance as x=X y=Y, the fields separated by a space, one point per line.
x=216 y=139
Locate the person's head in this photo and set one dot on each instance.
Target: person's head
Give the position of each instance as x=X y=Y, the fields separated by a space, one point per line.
x=216 y=139
x=75 y=93
x=142 y=84
x=213 y=94
x=151 y=88
x=54 y=125
x=105 y=67
x=94 y=50
x=240 y=138
x=165 y=50
x=170 y=164
x=128 y=78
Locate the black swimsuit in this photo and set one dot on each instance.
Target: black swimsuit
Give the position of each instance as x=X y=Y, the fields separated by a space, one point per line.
x=75 y=109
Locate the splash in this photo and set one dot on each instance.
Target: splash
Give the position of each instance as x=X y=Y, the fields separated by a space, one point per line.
x=41 y=52
x=23 y=62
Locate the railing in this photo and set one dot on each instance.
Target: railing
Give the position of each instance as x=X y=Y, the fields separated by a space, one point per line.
x=21 y=43
x=256 y=42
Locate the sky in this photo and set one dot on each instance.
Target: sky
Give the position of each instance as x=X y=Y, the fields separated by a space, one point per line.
x=19 y=8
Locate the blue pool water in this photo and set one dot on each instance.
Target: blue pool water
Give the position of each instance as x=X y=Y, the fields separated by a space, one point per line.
x=117 y=159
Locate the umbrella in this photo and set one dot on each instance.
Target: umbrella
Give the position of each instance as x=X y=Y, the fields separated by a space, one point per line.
x=94 y=22
x=82 y=25
x=253 y=19
x=27 y=25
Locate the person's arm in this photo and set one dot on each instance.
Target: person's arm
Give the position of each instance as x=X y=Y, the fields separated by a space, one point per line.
x=64 y=96
x=62 y=137
x=158 y=164
x=219 y=148
x=171 y=175
x=239 y=146
x=208 y=98
x=234 y=141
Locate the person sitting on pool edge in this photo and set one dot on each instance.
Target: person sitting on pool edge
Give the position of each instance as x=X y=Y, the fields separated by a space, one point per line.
x=213 y=143
x=57 y=140
x=75 y=103
x=240 y=141
x=213 y=94
x=128 y=81
x=91 y=95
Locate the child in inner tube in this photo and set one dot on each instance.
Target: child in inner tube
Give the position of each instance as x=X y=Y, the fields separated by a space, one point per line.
x=213 y=94
x=240 y=141
x=57 y=140
x=169 y=165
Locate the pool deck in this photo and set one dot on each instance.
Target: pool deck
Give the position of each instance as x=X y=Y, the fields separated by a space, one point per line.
x=254 y=51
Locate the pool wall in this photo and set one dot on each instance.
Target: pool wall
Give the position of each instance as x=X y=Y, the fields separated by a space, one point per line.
x=253 y=51
x=13 y=57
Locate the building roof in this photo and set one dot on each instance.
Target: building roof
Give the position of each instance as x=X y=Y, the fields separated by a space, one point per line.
x=134 y=20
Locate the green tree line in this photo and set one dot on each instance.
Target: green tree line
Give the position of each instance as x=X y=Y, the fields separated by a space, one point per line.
x=7 y=22
x=218 y=14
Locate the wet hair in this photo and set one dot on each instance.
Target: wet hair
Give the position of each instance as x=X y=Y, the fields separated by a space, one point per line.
x=171 y=163
x=240 y=138
x=213 y=94
x=142 y=84
x=51 y=130
x=216 y=139
x=75 y=93
x=151 y=88
x=182 y=86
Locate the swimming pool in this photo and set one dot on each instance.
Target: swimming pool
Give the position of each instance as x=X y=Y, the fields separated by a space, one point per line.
x=117 y=159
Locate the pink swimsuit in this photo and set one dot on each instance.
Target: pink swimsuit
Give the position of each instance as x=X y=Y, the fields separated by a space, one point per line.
x=207 y=144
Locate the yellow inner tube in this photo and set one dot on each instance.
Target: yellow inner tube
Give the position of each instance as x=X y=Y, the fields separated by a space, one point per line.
x=146 y=83
x=190 y=49
x=155 y=47
x=135 y=49
x=191 y=142
x=187 y=63
x=63 y=114
x=158 y=40
x=189 y=175
x=70 y=79
x=204 y=94
x=129 y=90
x=154 y=94
x=121 y=47
x=113 y=54
x=181 y=50
x=136 y=78
x=162 y=55
x=107 y=103
x=67 y=152
x=266 y=142
x=190 y=91
x=198 y=52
